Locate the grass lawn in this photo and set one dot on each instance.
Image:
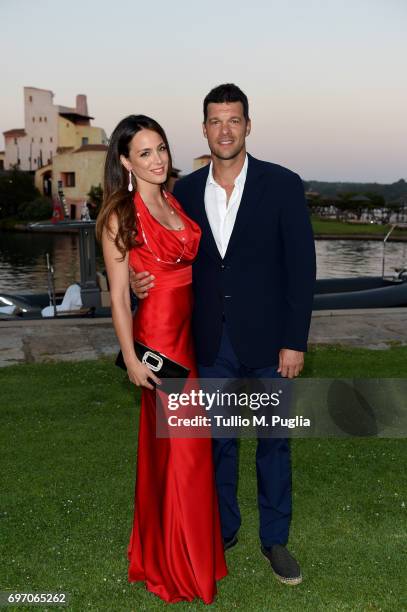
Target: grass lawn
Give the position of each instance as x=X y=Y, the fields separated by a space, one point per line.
x=340 y=228
x=69 y=455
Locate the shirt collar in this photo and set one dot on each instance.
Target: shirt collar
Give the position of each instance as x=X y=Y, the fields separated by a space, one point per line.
x=239 y=180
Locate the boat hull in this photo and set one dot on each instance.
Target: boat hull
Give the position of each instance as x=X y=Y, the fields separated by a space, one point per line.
x=363 y=292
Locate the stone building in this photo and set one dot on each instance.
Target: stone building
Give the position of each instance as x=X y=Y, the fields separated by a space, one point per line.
x=59 y=145
x=48 y=129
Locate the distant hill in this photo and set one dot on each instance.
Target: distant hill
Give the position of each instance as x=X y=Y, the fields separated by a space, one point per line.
x=390 y=192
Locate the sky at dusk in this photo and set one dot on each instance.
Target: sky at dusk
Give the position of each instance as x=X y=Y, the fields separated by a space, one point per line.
x=326 y=79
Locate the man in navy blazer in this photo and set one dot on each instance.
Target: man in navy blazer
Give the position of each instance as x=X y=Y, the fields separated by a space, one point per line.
x=253 y=284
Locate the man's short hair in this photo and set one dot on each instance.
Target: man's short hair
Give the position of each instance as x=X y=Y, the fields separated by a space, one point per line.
x=228 y=92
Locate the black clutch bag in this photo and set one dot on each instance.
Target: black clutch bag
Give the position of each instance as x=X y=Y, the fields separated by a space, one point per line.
x=157 y=362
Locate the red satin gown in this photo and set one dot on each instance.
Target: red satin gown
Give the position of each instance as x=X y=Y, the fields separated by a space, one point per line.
x=175 y=545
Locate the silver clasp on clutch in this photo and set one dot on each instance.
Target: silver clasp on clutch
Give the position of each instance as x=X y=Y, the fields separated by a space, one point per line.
x=156 y=367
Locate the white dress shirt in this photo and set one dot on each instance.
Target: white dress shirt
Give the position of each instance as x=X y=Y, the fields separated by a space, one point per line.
x=222 y=214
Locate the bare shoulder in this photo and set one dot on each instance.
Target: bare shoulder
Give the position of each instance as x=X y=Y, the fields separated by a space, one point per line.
x=111 y=227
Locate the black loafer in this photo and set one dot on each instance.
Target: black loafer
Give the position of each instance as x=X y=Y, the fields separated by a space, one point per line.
x=284 y=566
x=230 y=542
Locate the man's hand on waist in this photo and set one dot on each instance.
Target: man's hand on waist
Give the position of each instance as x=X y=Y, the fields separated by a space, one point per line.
x=140 y=283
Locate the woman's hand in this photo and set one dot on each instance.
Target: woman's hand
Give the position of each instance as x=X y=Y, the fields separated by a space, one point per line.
x=139 y=373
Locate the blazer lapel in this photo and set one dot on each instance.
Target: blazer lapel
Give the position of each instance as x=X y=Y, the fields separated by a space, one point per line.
x=207 y=240
x=248 y=204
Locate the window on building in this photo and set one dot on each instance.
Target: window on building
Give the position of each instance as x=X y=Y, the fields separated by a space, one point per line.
x=40 y=119
x=30 y=98
x=51 y=139
x=35 y=160
x=45 y=119
x=41 y=139
x=68 y=179
x=33 y=119
x=18 y=161
x=32 y=139
x=85 y=140
x=15 y=140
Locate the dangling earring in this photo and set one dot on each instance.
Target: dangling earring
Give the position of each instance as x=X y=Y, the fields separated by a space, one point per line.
x=130 y=187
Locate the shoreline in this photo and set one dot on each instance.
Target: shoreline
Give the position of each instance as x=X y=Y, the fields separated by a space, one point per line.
x=22 y=228
x=376 y=237
x=45 y=340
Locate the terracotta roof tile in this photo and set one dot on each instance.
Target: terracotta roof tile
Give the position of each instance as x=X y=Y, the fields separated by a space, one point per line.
x=16 y=132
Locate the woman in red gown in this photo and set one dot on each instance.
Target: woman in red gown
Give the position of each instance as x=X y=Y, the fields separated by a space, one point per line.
x=175 y=545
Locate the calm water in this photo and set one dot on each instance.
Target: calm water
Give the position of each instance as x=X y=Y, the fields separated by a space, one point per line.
x=341 y=258
x=23 y=268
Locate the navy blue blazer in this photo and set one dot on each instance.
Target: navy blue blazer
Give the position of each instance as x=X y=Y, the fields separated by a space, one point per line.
x=263 y=287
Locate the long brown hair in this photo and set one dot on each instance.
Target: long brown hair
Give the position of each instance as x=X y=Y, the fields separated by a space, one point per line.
x=116 y=197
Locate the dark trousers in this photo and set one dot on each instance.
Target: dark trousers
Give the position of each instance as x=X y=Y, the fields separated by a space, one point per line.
x=273 y=462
